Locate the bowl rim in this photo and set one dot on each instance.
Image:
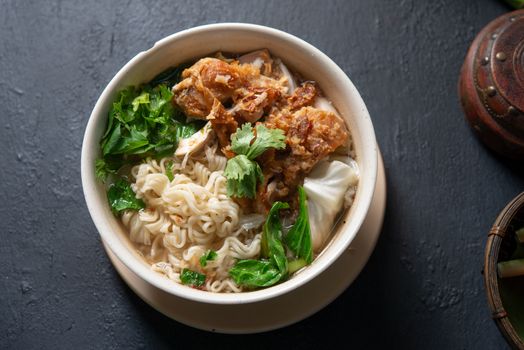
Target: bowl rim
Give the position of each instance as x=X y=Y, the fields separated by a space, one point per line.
x=495 y=237
x=156 y=279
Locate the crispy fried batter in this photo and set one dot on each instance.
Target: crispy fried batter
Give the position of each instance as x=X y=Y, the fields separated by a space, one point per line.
x=223 y=124
x=218 y=76
x=193 y=98
x=251 y=106
x=206 y=80
x=311 y=134
x=303 y=95
x=211 y=78
x=256 y=91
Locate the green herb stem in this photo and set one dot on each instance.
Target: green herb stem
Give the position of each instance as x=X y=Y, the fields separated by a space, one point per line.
x=511 y=268
x=520 y=235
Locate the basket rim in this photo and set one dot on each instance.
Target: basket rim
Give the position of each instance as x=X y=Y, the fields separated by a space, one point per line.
x=491 y=254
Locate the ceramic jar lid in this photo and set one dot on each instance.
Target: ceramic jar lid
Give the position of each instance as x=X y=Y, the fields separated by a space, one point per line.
x=491 y=85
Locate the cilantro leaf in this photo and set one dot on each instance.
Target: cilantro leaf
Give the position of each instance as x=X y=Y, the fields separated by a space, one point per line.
x=143 y=98
x=241 y=140
x=298 y=239
x=242 y=172
x=266 y=138
x=207 y=256
x=192 y=278
x=242 y=175
x=121 y=197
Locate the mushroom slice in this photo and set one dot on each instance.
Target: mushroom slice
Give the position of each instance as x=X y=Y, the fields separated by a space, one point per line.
x=195 y=142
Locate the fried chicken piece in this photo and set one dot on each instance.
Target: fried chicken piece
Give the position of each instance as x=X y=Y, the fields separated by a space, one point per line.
x=223 y=124
x=193 y=98
x=303 y=96
x=218 y=76
x=311 y=134
x=208 y=79
x=256 y=101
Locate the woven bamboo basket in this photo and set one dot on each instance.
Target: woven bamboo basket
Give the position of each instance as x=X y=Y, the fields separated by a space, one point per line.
x=505 y=296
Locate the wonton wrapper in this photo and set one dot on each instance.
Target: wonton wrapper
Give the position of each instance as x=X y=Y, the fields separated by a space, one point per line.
x=325 y=187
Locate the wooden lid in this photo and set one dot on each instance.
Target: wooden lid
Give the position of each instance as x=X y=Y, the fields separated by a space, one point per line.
x=491 y=85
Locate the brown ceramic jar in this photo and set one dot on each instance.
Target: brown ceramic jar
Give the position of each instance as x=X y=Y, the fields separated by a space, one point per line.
x=491 y=85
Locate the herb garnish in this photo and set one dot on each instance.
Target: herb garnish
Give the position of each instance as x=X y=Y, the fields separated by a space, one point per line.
x=121 y=197
x=207 y=256
x=142 y=122
x=192 y=278
x=242 y=172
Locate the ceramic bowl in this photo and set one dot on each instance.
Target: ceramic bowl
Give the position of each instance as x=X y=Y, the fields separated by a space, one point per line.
x=192 y=44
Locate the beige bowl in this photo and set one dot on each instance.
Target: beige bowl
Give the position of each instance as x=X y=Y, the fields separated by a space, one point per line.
x=233 y=37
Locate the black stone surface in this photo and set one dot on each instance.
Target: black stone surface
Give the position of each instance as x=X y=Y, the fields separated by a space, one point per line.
x=422 y=288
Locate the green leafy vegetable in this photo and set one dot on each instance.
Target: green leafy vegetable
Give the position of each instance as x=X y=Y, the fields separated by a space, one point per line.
x=207 y=256
x=121 y=197
x=242 y=172
x=143 y=98
x=242 y=175
x=271 y=244
x=143 y=122
x=265 y=272
x=295 y=265
x=298 y=239
x=103 y=170
x=255 y=273
x=140 y=120
x=192 y=278
x=274 y=265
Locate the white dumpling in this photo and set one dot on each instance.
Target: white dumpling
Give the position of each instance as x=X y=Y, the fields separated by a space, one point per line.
x=325 y=188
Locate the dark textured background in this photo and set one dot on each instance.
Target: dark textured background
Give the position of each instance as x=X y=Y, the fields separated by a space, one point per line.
x=422 y=288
